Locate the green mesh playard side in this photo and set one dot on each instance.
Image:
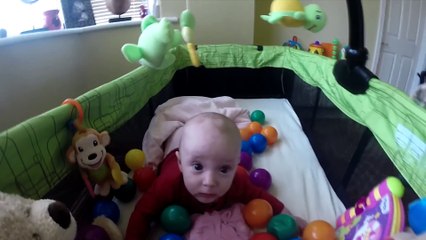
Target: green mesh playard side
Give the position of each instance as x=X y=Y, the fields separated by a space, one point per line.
x=32 y=154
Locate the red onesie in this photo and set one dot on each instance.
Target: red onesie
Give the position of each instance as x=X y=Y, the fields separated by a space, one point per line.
x=169 y=189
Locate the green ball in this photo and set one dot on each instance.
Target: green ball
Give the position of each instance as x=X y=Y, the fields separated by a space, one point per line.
x=283 y=227
x=257 y=116
x=175 y=219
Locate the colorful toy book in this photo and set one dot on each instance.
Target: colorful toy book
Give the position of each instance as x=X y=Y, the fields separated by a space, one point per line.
x=375 y=217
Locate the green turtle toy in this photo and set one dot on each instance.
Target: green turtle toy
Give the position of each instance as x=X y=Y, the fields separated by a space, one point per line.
x=291 y=13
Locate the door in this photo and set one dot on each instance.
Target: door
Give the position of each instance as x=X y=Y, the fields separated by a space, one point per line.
x=401 y=41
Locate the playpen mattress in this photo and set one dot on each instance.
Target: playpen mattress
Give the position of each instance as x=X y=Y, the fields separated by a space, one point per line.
x=298 y=180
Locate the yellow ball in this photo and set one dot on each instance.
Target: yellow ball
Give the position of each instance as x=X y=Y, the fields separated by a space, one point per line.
x=135 y=159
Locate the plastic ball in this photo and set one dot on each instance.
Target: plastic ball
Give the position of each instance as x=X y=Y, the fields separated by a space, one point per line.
x=282 y=226
x=107 y=208
x=245 y=133
x=126 y=192
x=257 y=116
x=246 y=147
x=319 y=230
x=258 y=143
x=261 y=178
x=270 y=134
x=257 y=213
x=246 y=161
x=242 y=171
x=417 y=216
x=263 y=236
x=255 y=127
x=171 y=236
x=144 y=177
x=175 y=219
x=90 y=232
x=135 y=159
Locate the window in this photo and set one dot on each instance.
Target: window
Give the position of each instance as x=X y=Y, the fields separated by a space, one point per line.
x=17 y=17
x=102 y=15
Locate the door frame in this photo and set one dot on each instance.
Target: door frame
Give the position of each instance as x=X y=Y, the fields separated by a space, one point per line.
x=421 y=63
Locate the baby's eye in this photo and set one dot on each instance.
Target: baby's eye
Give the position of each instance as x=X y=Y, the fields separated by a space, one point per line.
x=225 y=169
x=197 y=166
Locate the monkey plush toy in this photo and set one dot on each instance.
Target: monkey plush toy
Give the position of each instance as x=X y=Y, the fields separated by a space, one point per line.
x=96 y=165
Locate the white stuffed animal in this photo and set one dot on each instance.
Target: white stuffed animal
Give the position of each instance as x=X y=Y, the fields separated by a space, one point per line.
x=22 y=218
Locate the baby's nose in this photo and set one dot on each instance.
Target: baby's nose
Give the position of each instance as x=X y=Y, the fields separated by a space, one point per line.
x=209 y=179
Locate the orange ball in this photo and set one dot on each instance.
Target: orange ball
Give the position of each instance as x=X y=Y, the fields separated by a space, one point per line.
x=245 y=133
x=257 y=213
x=270 y=134
x=319 y=230
x=255 y=127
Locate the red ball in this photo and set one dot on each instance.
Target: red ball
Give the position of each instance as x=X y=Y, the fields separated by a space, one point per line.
x=144 y=177
x=263 y=236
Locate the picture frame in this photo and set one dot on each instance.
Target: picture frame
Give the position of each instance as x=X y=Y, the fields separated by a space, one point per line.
x=78 y=13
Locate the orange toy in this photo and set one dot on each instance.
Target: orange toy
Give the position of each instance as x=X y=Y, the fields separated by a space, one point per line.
x=257 y=213
x=245 y=133
x=255 y=127
x=270 y=134
x=319 y=230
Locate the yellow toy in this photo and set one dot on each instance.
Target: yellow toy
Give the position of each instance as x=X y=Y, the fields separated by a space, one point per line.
x=291 y=13
x=316 y=48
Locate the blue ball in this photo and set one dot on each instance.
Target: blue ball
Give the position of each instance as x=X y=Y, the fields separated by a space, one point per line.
x=258 y=143
x=246 y=147
x=107 y=208
x=171 y=236
x=417 y=216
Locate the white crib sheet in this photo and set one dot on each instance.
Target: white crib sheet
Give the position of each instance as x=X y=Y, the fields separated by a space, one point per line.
x=298 y=180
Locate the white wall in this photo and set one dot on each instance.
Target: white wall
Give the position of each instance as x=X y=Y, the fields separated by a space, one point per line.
x=38 y=72
x=217 y=21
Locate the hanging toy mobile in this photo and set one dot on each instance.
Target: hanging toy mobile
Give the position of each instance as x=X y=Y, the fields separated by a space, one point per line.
x=291 y=13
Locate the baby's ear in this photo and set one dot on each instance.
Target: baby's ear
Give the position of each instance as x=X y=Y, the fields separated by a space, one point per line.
x=178 y=159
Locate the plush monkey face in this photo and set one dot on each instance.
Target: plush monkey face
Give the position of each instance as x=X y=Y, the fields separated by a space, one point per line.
x=90 y=152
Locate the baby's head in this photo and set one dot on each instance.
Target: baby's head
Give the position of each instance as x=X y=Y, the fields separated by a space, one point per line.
x=208 y=155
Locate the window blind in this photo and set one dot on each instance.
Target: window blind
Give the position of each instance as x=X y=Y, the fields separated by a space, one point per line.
x=102 y=15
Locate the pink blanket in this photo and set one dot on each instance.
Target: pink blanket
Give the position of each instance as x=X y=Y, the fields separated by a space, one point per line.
x=218 y=225
x=163 y=134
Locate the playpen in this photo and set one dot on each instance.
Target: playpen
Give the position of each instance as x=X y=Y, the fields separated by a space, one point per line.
x=32 y=154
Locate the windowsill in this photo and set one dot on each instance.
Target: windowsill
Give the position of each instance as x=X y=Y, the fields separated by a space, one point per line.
x=56 y=33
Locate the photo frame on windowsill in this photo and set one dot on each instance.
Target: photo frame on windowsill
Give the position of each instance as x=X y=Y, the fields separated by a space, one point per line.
x=78 y=13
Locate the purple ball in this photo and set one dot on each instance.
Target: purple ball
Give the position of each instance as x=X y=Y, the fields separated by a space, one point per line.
x=261 y=178
x=258 y=143
x=90 y=232
x=246 y=147
x=246 y=161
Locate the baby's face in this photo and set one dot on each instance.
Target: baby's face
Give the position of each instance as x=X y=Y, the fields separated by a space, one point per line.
x=208 y=163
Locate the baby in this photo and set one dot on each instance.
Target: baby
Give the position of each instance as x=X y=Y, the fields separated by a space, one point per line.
x=201 y=175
